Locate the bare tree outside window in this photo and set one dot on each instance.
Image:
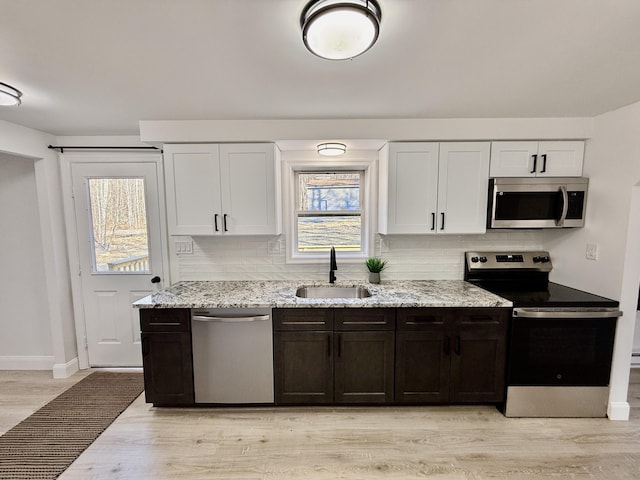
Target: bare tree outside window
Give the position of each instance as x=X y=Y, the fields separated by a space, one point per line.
x=119 y=221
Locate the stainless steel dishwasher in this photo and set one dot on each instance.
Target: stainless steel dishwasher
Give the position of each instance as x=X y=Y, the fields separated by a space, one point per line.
x=232 y=355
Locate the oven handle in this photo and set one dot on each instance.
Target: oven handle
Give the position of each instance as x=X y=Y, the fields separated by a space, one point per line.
x=536 y=313
x=213 y=319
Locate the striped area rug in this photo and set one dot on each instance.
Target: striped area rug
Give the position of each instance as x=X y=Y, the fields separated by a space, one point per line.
x=43 y=445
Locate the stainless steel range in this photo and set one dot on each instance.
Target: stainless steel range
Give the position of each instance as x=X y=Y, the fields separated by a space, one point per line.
x=560 y=340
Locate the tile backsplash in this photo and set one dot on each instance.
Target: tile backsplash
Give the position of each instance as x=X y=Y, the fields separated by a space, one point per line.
x=410 y=257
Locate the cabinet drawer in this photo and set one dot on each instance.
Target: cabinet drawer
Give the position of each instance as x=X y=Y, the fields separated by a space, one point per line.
x=352 y=319
x=482 y=318
x=317 y=319
x=422 y=318
x=165 y=319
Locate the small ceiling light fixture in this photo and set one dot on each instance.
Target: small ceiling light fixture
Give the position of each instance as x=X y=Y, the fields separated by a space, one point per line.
x=9 y=95
x=340 y=29
x=331 y=149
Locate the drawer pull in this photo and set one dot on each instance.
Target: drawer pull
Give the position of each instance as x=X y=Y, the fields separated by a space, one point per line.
x=303 y=323
x=382 y=322
x=164 y=324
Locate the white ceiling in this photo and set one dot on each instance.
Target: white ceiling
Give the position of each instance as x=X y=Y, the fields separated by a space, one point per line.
x=97 y=67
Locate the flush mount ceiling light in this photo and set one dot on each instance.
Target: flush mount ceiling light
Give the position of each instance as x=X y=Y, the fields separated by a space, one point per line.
x=340 y=29
x=9 y=95
x=331 y=149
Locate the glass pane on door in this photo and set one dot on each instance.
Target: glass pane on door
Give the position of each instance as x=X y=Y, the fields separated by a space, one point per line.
x=119 y=225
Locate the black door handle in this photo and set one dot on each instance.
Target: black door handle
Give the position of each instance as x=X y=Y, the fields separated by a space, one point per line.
x=328 y=345
x=215 y=222
x=433 y=220
x=535 y=163
x=224 y=222
x=544 y=163
x=156 y=279
x=442 y=226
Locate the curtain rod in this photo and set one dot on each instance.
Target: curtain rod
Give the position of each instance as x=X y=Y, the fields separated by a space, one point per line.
x=74 y=147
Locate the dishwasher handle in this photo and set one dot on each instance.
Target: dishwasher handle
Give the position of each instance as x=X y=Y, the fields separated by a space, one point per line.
x=206 y=318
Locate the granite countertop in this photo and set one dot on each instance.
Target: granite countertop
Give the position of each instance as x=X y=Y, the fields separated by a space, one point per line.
x=281 y=294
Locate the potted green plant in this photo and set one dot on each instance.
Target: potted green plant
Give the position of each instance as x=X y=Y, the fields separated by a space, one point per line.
x=375 y=265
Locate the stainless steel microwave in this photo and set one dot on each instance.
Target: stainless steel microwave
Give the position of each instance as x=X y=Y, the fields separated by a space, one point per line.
x=550 y=202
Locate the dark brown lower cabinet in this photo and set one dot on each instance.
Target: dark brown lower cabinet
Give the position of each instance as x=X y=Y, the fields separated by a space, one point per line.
x=303 y=367
x=364 y=367
x=452 y=355
x=422 y=367
x=166 y=356
x=320 y=358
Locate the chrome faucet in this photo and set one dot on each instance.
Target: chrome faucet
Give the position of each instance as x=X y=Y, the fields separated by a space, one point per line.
x=332 y=265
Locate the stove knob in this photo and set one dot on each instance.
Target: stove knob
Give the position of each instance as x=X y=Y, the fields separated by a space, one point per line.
x=536 y=259
x=544 y=259
x=474 y=259
x=483 y=259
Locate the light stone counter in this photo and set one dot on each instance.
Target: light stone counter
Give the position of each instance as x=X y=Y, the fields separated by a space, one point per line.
x=281 y=294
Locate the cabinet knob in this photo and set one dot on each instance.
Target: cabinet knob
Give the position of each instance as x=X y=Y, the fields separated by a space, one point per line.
x=156 y=279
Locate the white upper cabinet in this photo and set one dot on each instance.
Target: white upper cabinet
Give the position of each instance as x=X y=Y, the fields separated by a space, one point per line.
x=430 y=188
x=226 y=189
x=463 y=183
x=537 y=159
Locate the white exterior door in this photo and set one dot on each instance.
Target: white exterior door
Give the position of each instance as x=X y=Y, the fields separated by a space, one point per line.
x=119 y=241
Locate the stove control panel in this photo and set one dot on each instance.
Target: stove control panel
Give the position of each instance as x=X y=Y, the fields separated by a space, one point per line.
x=531 y=260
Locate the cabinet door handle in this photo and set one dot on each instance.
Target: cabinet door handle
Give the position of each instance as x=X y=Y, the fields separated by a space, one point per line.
x=224 y=222
x=544 y=163
x=339 y=345
x=447 y=345
x=456 y=347
x=535 y=163
x=442 y=226
x=328 y=345
x=215 y=222
x=433 y=221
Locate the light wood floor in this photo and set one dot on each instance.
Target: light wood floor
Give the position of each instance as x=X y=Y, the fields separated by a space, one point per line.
x=338 y=443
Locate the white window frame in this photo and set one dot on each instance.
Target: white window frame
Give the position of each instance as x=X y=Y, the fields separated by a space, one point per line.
x=297 y=161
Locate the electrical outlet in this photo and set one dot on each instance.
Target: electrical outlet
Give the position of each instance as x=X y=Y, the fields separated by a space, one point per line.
x=184 y=247
x=591 y=252
x=273 y=247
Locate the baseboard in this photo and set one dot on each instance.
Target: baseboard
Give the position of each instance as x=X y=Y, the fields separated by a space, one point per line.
x=65 y=370
x=8 y=362
x=618 y=410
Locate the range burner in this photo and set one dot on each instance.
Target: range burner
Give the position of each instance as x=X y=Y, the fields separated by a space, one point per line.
x=523 y=278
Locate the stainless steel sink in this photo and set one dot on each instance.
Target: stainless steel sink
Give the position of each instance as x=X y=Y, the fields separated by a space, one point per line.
x=332 y=292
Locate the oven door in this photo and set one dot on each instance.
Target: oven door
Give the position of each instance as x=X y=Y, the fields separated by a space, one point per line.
x=561 y=348
x=530 y=203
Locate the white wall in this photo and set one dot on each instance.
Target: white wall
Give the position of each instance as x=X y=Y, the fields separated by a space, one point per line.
x=26 y=333
x=612 y=162
x=31 y=144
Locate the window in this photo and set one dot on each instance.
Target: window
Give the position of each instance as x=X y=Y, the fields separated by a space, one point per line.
x=119 y=225
x=329 y=203
x=328 y=211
